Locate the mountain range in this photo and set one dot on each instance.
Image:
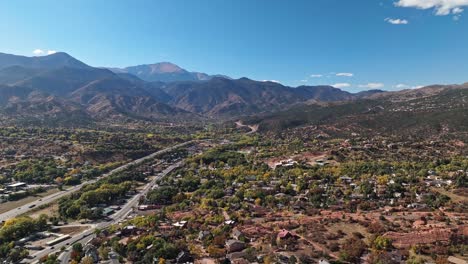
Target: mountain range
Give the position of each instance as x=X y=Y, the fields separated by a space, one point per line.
x=60 y=86
x=424 y=112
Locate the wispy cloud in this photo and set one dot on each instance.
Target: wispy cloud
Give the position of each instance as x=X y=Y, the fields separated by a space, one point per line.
x=345 y=74
x=40 y=52
x=407 y=86
x=275 y=81
x=372 y=85
x=341 y=85
x=397 y=21
x=441 y=7
x=316 y=75
x=304 y=81
x=401 y=86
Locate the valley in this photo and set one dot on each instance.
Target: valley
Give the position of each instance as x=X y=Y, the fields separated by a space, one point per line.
x=157 y=164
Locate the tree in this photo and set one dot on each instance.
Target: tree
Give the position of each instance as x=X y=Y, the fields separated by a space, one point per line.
x=78 y=247
x=59 y=180
x=77 y=250
x=87 y=260
x=382 y=243
x=103 y=252
x=352 y=249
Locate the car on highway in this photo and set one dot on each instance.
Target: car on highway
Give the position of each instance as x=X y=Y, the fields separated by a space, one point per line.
x=32 y=205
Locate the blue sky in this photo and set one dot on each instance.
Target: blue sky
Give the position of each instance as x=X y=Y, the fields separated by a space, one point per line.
x=387 y=44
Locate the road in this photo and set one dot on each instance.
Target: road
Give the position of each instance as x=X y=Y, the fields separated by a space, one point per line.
x=86 y=236
x=54 y=197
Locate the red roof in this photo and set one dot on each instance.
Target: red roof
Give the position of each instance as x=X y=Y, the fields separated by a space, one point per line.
x=284 y=233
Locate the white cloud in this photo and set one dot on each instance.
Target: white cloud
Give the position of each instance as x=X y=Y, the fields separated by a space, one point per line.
x=38 y=52
x=401 y=86
x=406 y=86
x=304 y=81
x=372 y=85
x=275 y=81
x=457 y=10
x=316 y=75
x=441 y=7
x=397 y=21
x=341 y=85
x=345 y=74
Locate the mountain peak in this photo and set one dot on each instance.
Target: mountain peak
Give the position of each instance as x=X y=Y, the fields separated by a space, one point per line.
x=163 y=72
x=60 y=54
x=165 y=67
x=56 y=60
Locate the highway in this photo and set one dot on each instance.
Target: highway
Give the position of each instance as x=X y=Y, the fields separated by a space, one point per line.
x=86 y=236
x=54 y=197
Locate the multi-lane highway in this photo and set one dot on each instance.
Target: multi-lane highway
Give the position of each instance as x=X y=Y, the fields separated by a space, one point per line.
x=86 y=236
x=53 y=197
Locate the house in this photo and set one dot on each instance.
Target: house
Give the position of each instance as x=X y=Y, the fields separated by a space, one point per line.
x=129 y=230
x=286 y=238
x=107 y=211
x=237 y=234
x=234 y=245
x=184 y=257
x=236 y=255
x=16 y=186
x=203 y=234
x=91 y=251
x=180 y=224
x=346 y=179
x=284 y=234
x=229 y=222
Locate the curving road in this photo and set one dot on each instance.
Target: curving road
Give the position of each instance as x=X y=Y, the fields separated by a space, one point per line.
x=86 y=236
x=53 y=197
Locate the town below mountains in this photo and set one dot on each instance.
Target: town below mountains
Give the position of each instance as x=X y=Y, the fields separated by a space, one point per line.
x=59 y=88
x=157 y=164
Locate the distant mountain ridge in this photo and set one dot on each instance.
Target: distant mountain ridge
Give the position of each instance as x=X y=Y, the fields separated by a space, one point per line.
x=428 y=111
x=229 y=97
x=56 y=60
x=59 y=85
x=164 y=72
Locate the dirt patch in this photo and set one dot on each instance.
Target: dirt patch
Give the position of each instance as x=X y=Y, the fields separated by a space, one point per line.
x=406 y=240
x=50 y=210
x=453 y=196
x=253 y=128
x=349 y=229
x=310 y=158
x=71 y=230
